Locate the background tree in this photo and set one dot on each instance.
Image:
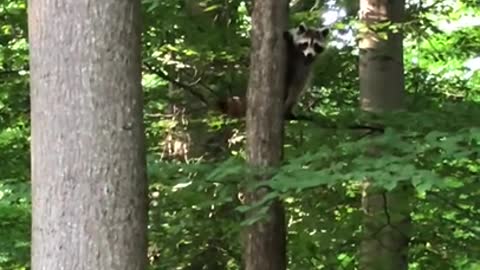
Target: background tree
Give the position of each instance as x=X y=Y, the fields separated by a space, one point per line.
x=382 y=88
x=89 y=185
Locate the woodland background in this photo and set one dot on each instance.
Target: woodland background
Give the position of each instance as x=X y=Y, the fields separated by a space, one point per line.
x=195 y=53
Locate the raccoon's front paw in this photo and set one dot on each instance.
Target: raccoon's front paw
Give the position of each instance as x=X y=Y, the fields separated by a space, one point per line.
x=290 y=116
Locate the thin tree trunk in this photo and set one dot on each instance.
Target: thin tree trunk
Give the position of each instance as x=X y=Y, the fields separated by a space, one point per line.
x=386 y=222
x=266 y=240
x=89 y=183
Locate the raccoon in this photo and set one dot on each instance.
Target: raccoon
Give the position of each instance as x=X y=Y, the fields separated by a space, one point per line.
x=303 y=45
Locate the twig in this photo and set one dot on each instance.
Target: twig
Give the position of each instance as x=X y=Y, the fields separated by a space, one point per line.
x=186 y=87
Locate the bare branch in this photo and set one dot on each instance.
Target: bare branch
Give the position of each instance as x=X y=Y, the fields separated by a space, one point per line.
x=186 y=87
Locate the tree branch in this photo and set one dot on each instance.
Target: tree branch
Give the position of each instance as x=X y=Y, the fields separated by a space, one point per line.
x=186 y=87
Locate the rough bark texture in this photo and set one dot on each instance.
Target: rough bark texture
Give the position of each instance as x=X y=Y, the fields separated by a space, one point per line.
x=89 y=183
x=387 y=228
x=386 y=222
x=265 y=240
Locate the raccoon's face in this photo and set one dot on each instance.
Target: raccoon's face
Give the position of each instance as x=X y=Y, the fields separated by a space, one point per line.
x=310 y=42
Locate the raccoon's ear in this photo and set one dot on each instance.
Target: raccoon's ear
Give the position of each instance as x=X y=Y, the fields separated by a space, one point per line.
x=301 y=28
x=324 y=31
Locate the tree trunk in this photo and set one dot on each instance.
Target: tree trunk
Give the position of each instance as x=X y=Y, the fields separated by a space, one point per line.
x=89 y=183
x=382 y=81
x=386 y=227
x=386 y=222
x=266 y=239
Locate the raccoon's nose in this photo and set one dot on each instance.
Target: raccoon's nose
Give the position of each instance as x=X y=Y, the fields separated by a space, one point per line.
x=309 y=56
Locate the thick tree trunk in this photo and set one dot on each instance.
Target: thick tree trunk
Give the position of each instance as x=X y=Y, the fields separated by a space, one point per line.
x=386 y=227
x=386 y=222
x=89 y=183
x=266 y=240
x=381 y=60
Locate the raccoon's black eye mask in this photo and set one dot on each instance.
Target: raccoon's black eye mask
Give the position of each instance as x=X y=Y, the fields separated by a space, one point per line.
x=318 y=48
x=303 y=46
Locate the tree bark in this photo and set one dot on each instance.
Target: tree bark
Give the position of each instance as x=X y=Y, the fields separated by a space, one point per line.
x=382 y=81
x=89 y=183
x=386 y=223
x=266 y=239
